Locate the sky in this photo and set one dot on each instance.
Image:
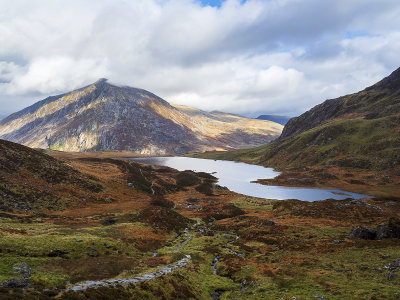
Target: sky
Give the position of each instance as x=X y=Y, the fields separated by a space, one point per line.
x=246 y=57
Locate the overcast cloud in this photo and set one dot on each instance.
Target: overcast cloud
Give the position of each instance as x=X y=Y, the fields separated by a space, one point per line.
x=246 y=57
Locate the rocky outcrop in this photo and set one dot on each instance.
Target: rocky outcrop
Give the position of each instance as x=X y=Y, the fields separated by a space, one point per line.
x=387 y=230
x=364 y=233
x=103 y=116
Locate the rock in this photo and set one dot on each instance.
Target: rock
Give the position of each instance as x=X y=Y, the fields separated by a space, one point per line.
x=384 y=256
x=395 y=264
x=337 y=241
x=269 y=223
x=107 y=246
x=79 y=240
x=57 y=252
x=22 y=268
x=364 y=233
x=209 y=233
x=390 y=229
x=108 y=221
x=15 y=283
x=364 y=268
x=130 y=184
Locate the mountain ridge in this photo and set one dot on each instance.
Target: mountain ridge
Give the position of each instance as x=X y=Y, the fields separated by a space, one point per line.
x=103 y=116
x=362 y=103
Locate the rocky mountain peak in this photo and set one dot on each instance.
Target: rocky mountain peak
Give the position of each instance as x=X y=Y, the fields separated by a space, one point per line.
x=103 y=116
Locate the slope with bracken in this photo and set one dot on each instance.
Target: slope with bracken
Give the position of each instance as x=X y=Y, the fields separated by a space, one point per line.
x=103 y=116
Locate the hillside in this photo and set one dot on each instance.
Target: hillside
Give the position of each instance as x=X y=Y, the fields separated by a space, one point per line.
x=360 y=130
x=377 y=101
x=103 y=116
x=33 y=181
x=274 y=118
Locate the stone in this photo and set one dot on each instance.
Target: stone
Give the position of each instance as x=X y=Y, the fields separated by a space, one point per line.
x=23 y=269
x=16 y=283
x=269 y=223
x=57 y=252
x=364 y=233
x=390 y=229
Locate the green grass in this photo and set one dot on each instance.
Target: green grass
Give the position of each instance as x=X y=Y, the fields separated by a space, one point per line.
x=253 y=203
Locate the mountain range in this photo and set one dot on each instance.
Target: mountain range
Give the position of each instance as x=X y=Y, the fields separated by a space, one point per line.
x=274 y=118
x=103 y=116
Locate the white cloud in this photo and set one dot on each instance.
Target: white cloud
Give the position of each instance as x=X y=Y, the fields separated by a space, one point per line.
x=56 y=73
x=280 y=56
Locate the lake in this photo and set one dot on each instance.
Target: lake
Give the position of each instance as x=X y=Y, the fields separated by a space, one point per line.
x=237 y=177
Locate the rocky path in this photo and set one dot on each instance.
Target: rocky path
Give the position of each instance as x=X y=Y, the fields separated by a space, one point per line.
x=126 y=281
x=144 y=277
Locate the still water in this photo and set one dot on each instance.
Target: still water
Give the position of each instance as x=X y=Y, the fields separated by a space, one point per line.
x=237 y=176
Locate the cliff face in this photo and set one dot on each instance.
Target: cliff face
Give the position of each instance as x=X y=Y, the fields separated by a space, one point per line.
x=379 y=100
x=103 y=116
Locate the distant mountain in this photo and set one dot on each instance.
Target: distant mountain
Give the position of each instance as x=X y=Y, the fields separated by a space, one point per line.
x=360 y=130
x=274 y=118
x=103 y=116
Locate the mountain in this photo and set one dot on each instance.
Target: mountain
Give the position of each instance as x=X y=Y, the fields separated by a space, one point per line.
x=274 y=118
x=377 y=101
x=103 y=116
x=360 y=130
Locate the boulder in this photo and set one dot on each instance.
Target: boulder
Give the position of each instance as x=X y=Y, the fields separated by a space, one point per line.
x=364 y=233
x=22 y=268
x=390 y=229
x=15 y=283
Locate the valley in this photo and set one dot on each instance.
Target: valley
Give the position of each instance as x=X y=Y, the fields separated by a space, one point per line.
x=199 y=150
x=152 y=232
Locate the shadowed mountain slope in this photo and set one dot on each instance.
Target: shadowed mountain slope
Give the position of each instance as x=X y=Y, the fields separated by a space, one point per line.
x=377 y=101
x=103 y=116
